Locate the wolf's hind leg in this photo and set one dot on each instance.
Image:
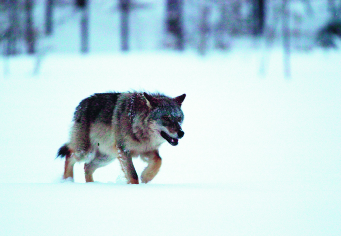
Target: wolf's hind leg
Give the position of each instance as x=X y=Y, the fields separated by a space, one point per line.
x=89 y=170
x=68 y=167
x=67 y=152
x=80 y=140
x=99 y=161
x=154 y=163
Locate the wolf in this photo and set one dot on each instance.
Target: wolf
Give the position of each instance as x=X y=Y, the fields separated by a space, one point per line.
x=109 y=126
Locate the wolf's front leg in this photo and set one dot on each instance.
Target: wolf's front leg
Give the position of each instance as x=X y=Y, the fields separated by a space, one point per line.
x=128 y=167
x=154 y=163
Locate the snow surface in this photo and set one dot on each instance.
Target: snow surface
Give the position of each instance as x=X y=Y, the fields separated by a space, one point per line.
x=260 y=155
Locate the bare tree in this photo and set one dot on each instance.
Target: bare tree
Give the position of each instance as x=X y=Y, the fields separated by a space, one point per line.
x=83 y=6
x=286 y=37
x=125 y=10
x=283 y=16
x=29 y=34
x=49 y=17
x=259 y=17
x=221 y=29
x=174 y=22
x=13 y=31
x=204 y=29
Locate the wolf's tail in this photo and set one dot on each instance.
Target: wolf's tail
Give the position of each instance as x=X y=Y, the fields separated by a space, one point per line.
x=64 y=151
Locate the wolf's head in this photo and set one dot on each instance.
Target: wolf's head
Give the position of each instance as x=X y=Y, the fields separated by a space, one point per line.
x=167 y=114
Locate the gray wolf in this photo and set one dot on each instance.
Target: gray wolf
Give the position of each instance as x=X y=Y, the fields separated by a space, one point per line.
x=113 y=125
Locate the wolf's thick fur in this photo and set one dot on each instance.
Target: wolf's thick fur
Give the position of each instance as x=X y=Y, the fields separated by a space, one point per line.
x=122 y=125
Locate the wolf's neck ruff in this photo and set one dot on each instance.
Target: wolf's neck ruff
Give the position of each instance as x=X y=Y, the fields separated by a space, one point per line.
x=136 y=119
x=132 y=107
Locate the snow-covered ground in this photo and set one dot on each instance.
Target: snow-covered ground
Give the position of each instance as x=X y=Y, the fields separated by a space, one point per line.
x=260 y=155
x=108 y=209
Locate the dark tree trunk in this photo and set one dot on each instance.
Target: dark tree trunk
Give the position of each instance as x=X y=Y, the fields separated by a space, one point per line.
x=204 y=30
x=259 y=17
x=286 y=37
x=49 y=17
x=125 y=10
x=174 y=21
x=12 y=33
x=83 y=5
x=221 y=31
x=85 y=31
x=30 y=35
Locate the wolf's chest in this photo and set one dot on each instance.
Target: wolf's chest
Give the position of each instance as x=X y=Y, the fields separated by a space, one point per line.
x=137 y=148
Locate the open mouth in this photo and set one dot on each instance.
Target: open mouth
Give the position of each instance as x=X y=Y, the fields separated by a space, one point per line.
x=172 y=141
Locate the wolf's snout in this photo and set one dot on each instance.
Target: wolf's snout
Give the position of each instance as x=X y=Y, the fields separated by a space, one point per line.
x=181 y=134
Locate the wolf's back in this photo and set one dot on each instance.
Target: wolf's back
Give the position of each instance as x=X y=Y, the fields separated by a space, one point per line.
x=99 y=106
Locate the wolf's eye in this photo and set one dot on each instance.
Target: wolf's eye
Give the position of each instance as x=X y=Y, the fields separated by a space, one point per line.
x=166 y=118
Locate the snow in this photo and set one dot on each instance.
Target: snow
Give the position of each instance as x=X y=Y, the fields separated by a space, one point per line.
x=108 y=209
x=260 y=155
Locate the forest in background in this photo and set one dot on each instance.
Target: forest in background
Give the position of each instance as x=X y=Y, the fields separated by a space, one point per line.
x=203 y=26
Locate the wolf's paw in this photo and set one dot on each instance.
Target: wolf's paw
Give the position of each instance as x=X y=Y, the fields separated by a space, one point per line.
x=146 y=178
x=121 y=179
x=67 y=180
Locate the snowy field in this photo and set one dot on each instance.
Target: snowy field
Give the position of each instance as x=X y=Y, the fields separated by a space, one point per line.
x=260 y=155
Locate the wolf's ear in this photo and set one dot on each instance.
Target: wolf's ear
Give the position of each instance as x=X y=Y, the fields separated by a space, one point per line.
x=151 y=101
x=180 y=99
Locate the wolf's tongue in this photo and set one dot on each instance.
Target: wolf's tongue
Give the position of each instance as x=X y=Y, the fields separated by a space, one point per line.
x=173 y=141
x=170 y=140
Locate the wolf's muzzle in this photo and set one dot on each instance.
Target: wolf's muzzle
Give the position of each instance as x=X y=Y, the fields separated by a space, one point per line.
x=170 y=140
x=180 y=133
